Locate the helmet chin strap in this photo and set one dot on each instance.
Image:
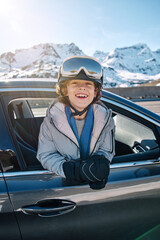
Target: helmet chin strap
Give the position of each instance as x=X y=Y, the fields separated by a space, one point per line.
x=79 y=113
x=76 y=112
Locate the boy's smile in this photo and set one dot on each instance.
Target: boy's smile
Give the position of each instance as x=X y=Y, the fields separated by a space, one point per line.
x=80 y=93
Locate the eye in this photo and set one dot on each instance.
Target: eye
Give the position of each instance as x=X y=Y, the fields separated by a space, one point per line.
x=74 y=83
x=89 y=84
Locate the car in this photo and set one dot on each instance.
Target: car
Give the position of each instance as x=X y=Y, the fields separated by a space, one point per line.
x=37 y=204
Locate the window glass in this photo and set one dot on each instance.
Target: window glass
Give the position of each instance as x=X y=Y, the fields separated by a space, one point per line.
x=29 y=108
x=39 y=107
x=132 y=136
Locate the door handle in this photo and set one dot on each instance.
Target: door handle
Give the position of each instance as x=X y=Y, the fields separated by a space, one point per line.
x=49 y=207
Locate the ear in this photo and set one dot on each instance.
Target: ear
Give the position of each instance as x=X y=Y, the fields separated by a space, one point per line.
x=64 y=90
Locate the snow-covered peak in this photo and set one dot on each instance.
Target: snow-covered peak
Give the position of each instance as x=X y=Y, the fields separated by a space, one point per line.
x=100 y=55
x=49 y=52
x=131 y=51
x=136 y=58
x=125 y=66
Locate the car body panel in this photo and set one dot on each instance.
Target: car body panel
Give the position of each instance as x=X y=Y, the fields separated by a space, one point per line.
x=8 y=223
x=114 y=212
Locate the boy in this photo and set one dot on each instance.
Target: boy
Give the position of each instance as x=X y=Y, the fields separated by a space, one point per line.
x=76 y=138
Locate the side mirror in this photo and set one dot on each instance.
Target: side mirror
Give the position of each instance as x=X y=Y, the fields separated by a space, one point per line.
x=8 y=160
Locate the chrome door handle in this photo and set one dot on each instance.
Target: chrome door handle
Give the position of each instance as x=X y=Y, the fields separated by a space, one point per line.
x=49 y=207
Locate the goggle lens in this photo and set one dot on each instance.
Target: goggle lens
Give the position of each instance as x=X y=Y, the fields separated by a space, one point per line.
x=74 y=64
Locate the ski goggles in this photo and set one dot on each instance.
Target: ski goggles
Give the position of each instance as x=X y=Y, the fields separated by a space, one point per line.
x=73 y=65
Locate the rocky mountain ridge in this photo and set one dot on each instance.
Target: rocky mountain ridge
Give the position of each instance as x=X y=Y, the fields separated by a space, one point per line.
x=126 y=66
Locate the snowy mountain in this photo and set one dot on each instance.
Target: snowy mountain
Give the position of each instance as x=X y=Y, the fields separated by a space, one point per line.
x=126 y=66
x=42 y=60
x=132 y=65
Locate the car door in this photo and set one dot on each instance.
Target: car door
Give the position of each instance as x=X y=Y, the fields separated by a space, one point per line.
x=47 y=206
x=8 y=222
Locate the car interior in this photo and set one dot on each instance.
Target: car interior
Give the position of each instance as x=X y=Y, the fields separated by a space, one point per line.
x=131 y=137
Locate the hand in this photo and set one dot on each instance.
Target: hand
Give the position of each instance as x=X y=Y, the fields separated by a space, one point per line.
x=72 y=171
x=95 y=169
x=98 y=185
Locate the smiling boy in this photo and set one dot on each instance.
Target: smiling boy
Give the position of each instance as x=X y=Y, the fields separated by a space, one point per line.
x=76 y=139
x=80 y=94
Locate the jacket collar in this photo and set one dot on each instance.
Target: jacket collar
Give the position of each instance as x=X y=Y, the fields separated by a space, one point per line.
x=58 y=116
x=103 y=115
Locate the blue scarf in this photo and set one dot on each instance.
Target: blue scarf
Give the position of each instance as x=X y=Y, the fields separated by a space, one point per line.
x=84 y=141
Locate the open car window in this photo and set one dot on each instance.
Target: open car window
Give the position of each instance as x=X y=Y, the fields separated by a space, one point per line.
x=26 y=116
x=133 y=139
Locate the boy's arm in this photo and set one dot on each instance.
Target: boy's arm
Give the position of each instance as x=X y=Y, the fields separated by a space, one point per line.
x=107 y=147
x=47 y=153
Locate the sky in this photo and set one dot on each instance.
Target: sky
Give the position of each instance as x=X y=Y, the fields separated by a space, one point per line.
x=91 y=24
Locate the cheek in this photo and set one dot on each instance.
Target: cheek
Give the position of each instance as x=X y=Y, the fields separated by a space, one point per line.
x=70 y=92
x=95 y=93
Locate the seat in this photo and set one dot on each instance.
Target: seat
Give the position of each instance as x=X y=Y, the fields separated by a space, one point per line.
x=27 y=132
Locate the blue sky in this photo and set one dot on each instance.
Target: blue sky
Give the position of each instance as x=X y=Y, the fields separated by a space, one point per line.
x=91 y=24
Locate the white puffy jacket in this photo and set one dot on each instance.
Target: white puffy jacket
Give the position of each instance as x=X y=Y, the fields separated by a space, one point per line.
x=57 y=142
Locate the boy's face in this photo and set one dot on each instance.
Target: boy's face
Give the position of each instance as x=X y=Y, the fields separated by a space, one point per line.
x=80 y=93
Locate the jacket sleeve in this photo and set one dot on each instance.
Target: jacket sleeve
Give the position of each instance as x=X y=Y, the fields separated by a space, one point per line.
x=47 y=153
x=107 y=146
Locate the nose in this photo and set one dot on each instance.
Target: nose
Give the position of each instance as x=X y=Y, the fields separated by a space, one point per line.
x=81 y=86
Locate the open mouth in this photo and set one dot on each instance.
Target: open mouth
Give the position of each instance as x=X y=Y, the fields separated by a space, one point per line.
x=82 y=96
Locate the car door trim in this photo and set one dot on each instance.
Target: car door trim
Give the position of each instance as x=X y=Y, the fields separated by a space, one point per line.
x=112 y=166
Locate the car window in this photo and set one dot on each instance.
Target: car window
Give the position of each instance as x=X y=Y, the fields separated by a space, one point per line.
x=29 y=108
x=39 y=107
x=132 y=136
x=27 y=114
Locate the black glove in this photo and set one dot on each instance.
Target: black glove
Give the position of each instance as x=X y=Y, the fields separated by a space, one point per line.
x=71 y=171
x=94 y=170
x=98 y=185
